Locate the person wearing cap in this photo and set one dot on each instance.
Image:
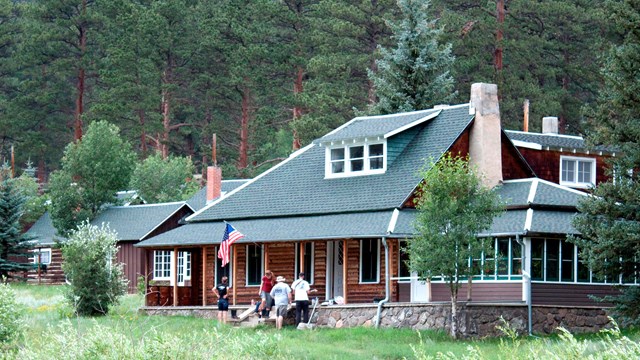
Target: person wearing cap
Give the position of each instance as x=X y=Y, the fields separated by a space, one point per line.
x=281 y=293
x=301 y=291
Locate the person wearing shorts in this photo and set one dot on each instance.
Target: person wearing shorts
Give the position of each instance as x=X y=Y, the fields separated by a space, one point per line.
x=268 y=281
x=281 y=293
x=222 y=292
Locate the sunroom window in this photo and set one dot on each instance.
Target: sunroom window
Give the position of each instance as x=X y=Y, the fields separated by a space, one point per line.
x=355 y=159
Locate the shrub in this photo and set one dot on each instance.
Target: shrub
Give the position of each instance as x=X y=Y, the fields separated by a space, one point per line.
x=10 y=315
x=96 y=280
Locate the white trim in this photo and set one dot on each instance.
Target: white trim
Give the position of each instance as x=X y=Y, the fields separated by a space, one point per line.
x=577 y=137
x=246 y=267
x=412 y=124
x=528 y=220
x=526 y=144
x=162 y=270
x=393 y=221
x=546 y=182
x=576 y=160
x=377 y=261
x=291 y=157
x=532 y=191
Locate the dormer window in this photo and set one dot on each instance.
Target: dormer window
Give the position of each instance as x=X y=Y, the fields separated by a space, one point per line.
x=355 y=159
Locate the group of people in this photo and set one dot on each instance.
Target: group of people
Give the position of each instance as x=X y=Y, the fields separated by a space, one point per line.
x=274 y=291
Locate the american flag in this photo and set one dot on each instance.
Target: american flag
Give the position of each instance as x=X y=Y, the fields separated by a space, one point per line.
x=231 y=235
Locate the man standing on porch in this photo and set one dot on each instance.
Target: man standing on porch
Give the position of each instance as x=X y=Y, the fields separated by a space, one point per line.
x=281 y=293
x=221 y=292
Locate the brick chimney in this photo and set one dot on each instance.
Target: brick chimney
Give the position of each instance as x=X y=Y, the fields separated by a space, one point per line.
x=485 y=140
x=214 y=183
x=550 y=125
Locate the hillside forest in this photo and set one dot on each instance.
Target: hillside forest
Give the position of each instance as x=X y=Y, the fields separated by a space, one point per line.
x=268 y=76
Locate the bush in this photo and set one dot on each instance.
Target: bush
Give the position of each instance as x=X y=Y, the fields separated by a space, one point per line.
x=10 y=315
x=96 y=280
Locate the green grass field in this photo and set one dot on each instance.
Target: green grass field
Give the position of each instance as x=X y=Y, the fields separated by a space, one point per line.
x=50 y=331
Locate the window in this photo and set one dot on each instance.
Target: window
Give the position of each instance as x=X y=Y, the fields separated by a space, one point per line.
x=223 y=271
x=254 y=265
x=162 y=264
x=403 y=264
x=308 y=261
x=501 y=260
x=577 y=172
x=41 y=255
x=184 y=267
x=355 y=159
x=369 y=261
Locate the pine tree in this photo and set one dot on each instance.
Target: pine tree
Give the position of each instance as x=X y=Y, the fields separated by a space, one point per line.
x=415 y=74
x=14 y=245
x=609 y=222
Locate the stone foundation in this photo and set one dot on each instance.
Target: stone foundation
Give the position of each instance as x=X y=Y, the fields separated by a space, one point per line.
x=474 y=320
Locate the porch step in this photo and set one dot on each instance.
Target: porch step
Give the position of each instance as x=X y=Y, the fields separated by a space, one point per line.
x=249 y=319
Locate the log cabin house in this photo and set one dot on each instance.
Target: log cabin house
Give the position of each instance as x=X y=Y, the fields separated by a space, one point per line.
x=341 y=208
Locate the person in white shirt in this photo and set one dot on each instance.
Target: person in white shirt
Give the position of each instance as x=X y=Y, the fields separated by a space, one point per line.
x=301 y=291
x=281 y=293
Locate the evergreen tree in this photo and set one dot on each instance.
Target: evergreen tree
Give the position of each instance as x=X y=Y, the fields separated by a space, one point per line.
x=609 y=222
x=14 y=245
x=93 y=170
x=415 y=74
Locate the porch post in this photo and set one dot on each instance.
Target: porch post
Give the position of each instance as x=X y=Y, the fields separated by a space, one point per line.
x=266 y=257
x=301 y=269
x=235 y=262
x=174 y=269
x=146 y=274
x=345 y=260
x=204 y=276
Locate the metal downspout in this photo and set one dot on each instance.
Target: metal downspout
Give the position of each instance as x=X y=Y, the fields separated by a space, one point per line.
x=387 y=288
x=528 y=278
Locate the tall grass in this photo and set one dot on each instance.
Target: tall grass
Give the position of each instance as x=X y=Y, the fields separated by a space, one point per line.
x=52 y=333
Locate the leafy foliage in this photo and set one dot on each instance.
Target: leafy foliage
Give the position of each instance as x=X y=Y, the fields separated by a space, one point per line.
x=93 y=170
x=609 y=222
x=163 y=180
x=453 y=207
x=14 y=245
x=96 y=280
x=10 y=315
x=415 y=74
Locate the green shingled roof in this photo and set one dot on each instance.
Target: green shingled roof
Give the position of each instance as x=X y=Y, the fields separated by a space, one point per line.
x=334 y=226
x=298 y=187
x=199 y=200
x=136 y=222
x=554 y=141
x=43 y=231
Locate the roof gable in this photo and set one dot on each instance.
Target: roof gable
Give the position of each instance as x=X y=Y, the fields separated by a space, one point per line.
x=136 y=222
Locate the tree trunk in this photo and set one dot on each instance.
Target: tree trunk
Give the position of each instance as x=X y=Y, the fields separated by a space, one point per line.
x=469 y=287
x=497 y=57
x=82 y=40
x=297 y=110
x=143 y=134
x=244 y=129
x=166 y=110
x=454 y=316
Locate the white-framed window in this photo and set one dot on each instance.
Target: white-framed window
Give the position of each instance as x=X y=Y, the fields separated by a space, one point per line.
x=308 y=261
x=501 y=260
x=255 y=264
x=370 y=261
x=360 y=158
x=184 y=267
x=43 y=256
x=577 y=172
x=162 y=264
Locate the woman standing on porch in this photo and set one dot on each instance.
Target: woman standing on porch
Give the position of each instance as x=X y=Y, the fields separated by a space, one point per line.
x=265 y=293
x=221 y=292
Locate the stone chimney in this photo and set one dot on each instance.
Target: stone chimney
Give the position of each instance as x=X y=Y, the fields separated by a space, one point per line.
x=550 y=125
x=485 y=140
x=214 y=183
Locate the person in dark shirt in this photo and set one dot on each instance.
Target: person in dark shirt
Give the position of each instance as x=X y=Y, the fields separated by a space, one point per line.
x=222 y=293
